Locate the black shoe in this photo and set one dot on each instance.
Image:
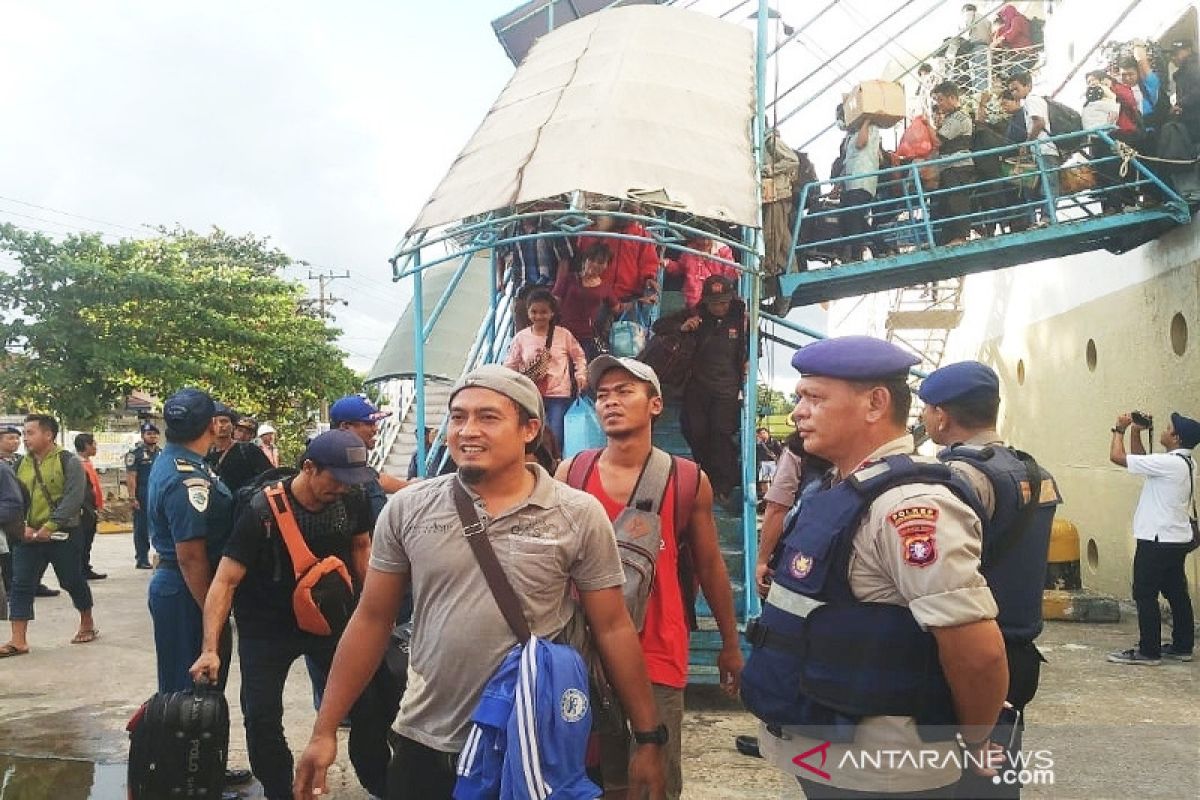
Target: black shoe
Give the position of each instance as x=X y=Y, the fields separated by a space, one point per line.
x=748 y=746
x=45 y=591
x=92 y=575
x=236 y=777
x=1171 y=654
x=145 y=565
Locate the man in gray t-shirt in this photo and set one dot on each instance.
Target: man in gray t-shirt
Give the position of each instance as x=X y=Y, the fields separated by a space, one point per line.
x=551 y=541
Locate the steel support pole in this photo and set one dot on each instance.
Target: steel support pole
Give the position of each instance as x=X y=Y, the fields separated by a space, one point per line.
x=418 y=302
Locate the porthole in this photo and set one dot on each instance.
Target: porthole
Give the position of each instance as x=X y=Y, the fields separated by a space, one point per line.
x=1091 y=355
x=1093 y=555
x=1021 y=372
x=1179 y=334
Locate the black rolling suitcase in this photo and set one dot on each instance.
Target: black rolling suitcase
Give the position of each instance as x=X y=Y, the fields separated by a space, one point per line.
x=178 y=745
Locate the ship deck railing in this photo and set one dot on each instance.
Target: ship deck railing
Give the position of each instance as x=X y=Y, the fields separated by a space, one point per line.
x=1016 y=217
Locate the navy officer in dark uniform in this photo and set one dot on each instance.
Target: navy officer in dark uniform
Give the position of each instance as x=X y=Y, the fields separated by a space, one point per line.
x=138 y=463
x=1018 y=499
x=877 y=608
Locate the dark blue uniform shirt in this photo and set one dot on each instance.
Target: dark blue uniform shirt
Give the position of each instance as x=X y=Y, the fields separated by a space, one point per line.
x=140 y=460
x=187 y=501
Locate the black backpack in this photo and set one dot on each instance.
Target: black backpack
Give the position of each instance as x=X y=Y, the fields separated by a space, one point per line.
x=243 y=496
x=1064 y=119
x=178 y=745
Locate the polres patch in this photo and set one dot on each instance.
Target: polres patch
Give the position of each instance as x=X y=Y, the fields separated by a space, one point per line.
x=574 y=705
x=913 y=514
x=920 y=551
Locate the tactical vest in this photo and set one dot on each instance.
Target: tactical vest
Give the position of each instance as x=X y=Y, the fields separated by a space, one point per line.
x=822 y=658
x=1016 y=539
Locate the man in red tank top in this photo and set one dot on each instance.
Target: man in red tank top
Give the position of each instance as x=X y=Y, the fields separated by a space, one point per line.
x=628 y=398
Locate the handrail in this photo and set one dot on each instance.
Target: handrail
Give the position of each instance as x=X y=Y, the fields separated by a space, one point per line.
x=809 y=332
x=918 y=199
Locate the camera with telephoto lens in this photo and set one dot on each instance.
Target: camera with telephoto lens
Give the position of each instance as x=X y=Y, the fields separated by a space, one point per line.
x=1141 y=419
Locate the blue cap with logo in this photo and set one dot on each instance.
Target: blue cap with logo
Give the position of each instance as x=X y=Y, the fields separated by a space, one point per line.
x=355 y=408
x=1187 y=429
x=188 y=412
x=853 y=358
x=343 y=454
x=959 y=381
x=149 y=427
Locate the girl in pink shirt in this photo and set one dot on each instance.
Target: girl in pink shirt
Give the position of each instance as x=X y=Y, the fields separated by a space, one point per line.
x=696 y=268
x=564 y=353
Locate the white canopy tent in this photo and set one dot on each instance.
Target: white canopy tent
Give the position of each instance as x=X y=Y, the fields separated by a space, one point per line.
x=629 y=103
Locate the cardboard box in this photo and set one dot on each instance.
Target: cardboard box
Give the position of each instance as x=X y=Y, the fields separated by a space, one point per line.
x=882 y=101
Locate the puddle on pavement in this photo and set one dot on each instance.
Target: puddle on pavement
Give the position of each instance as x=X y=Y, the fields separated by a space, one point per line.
x=59 y=778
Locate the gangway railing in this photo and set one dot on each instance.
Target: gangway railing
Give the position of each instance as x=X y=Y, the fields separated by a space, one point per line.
x=1016 y=217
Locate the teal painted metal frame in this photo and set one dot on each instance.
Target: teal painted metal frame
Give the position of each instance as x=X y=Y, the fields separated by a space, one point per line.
x=1059 y=237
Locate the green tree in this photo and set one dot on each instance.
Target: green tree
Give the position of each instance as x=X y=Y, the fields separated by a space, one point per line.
x=772 y=401
x=88 y=322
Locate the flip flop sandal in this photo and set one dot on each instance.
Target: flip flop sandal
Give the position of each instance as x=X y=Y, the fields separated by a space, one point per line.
x=86 y=637
x=8 y=651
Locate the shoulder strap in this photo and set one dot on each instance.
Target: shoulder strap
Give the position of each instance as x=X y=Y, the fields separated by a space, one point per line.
x=550 y=336
x=1191 y=483
x=687 y=486
x=502 y=590
x=651 y=487
x=41 y=482
x=285 y=520
x=581 y=467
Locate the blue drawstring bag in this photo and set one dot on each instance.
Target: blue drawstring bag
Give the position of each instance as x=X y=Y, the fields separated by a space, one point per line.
x=581 y=428
x=627 y=336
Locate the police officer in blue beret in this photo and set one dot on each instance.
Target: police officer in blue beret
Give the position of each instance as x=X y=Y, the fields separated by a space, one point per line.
x=1018 y=499
x=877 y=608
x=138 y=463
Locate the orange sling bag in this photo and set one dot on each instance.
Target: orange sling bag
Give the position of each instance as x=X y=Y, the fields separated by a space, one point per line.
x=324 y=596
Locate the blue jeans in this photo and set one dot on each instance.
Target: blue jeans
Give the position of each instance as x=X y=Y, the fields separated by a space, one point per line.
x=265 y=664
x=556 y=414
x=141 y=535
x=179 y=631
x=29 y=564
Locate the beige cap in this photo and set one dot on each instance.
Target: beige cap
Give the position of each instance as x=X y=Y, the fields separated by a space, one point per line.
x=507 y=382
x=639 y=369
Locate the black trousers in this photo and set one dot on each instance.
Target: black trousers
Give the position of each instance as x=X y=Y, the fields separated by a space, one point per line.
x=710 y=425
x=853 y=219
x=418 y=772
x=955 y=203
x=1158 y=568
x=87 y=535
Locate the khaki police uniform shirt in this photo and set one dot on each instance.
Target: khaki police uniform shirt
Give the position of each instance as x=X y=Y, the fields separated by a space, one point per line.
x=918 y=545
x=555 y=540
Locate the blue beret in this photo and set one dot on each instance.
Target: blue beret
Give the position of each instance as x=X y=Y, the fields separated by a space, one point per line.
x=957 y=381
x=853 y=358
x=1187 y=429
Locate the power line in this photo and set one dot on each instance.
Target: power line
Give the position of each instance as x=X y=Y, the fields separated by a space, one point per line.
x=140 y=229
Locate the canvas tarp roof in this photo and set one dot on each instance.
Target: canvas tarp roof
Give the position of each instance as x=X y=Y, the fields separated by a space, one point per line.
x=629 y=100
x=520 y=28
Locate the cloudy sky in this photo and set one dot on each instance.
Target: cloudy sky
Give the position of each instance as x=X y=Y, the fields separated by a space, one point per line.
x=324 y=126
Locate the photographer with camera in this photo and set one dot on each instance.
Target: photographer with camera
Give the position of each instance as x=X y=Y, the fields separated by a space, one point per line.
x=1164 y=535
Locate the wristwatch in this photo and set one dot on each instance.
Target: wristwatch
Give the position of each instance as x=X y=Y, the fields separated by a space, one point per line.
x=658 y=736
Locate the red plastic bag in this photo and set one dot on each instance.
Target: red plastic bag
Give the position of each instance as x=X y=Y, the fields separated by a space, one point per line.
x=918 y=140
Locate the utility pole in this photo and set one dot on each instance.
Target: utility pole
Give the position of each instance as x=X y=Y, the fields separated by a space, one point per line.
x=324 y=299
x=323 y=279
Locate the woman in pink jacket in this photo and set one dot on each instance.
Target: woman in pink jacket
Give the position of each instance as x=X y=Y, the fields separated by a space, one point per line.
x=695 y=268
x=550 y=370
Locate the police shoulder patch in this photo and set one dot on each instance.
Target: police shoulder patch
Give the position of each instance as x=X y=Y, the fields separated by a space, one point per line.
x=920 y=551
x=131 y=459
x=183 y=465
x=198 y=496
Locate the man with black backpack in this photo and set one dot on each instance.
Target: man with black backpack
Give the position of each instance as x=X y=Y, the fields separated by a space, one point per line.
x=661 y=509
x=55 y=483
x=1018 y=498
x=290 y=571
